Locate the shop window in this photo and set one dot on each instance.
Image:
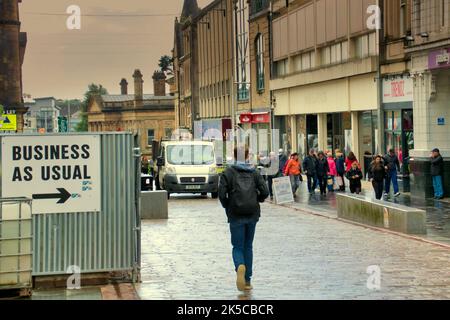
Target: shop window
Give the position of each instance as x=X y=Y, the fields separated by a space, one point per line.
x=150 y=136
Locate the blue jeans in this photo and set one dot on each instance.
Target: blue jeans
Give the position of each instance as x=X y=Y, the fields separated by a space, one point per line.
x=392 y=176
x=242 y=235
x=295 y=183
x=438 y=187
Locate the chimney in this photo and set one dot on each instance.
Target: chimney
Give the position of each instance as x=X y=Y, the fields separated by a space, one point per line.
x=124 y=86
x=159 y=84
x=138 y=88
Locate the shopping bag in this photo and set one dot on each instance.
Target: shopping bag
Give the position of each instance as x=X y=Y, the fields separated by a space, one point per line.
x=330 y=181
x=340 y=181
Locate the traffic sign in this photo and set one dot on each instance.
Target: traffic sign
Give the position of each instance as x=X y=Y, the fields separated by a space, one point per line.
x=8 y=122
x=60 y=173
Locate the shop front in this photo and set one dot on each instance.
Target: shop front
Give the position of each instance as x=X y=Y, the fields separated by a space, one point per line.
x=259 y=123
x=431 y=74
x=398 y=99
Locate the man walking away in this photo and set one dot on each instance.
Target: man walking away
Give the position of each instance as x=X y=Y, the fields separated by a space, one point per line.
x=377 y=174
x=322 y=172
x=437 y=171
x=392 y=165
x=293 y=171
x=310 y=169
x=241 y=189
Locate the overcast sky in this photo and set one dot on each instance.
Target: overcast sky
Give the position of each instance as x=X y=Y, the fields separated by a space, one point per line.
x=61 y=62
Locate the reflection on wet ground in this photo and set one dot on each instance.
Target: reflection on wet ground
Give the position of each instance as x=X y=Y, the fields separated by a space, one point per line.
x=438 y=212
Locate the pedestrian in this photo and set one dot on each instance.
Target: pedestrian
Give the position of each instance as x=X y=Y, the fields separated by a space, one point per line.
x=354 y=175
x=283 y=159
x=437 y=171
x=294 y=172
x=310 y=169
x=273 y=172
x=241 y=190
x=351 y=158
x=392 y=166
x=332 y=173
x=322 y=172
x=377 y=174
x=340 y=168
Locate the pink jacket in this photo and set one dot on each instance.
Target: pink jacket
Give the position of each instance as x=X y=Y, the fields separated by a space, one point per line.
x=332 y=165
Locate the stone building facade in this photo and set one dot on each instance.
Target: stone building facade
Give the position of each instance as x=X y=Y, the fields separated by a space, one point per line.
x=429 y=51
x=12 y=52
x=325 y=63
x=150 y=116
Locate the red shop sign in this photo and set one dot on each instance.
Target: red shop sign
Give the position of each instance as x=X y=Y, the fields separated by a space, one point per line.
x=246 y=118
x=261 y=118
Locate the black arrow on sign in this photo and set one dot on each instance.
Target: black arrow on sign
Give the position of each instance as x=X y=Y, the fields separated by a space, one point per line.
x=63 y=196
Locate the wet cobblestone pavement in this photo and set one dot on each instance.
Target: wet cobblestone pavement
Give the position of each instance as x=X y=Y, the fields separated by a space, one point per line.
x=297 y=256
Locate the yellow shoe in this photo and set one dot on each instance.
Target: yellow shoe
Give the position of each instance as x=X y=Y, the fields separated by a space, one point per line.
x=248 y=286
x=240 y=278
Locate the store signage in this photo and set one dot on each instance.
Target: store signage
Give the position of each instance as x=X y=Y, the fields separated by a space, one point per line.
x=441 y=121
x=255 y=118
x=283 y=190
x=60 y=173
x=398 y=90
x=439 y=59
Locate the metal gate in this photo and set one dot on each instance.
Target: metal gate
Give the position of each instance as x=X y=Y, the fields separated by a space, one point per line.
x=96 y=242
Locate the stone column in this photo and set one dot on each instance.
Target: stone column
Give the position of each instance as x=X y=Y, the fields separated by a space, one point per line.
x=355 y=136
x=322 y=131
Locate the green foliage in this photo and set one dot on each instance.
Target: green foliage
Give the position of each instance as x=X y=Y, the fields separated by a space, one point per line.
x=93 y=90
x=166 y=64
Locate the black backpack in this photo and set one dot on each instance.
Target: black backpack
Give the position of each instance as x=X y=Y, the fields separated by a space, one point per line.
x=243 y=194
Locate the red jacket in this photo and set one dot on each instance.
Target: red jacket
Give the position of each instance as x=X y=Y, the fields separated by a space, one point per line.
x=349 y=163
x=292 y=168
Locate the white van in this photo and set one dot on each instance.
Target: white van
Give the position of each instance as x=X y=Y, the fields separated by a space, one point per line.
x=187 y=167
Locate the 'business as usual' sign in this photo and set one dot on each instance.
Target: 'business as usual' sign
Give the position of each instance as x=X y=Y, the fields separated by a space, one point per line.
x=60 y=173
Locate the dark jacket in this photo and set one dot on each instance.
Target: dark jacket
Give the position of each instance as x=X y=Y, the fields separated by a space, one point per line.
x=310 y=165
x=226 y=191
x=322 y=167
x=437 y=166
x=340 y=165
x=282 y=161
x=391 y=162
x=377 y=173
x=352 y=174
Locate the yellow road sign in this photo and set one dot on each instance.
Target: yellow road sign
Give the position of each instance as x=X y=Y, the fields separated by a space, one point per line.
x=8 y=122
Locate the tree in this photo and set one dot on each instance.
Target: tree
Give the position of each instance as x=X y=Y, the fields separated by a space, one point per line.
x=93 y=90
x=166 y=64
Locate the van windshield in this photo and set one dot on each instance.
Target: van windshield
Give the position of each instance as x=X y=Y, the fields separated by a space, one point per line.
x=190 y=155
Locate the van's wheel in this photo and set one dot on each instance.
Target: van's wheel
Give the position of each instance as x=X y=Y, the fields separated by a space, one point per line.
x=214 y=195
x=204 y=194
x=157 y=185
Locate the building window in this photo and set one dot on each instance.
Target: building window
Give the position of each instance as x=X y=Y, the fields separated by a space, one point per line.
x=403 y=15
x=366 y=46
x=259 y=44
x=150 y=136
x=281 y=68
x=242 y=49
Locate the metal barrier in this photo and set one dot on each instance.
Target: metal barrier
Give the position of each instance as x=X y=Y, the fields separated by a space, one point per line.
x=15 y=243
x=103 y=241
